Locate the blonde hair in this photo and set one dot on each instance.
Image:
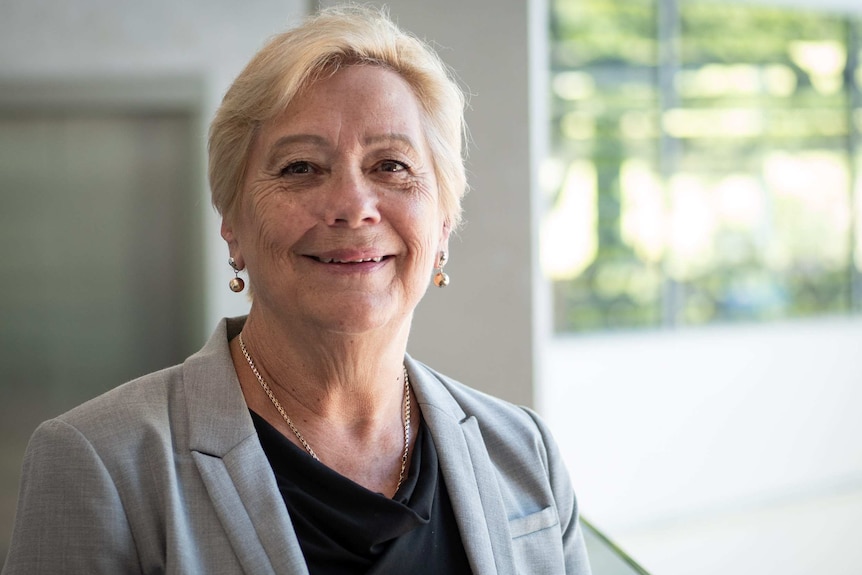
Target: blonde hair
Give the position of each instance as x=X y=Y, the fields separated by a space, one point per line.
x=332 y=39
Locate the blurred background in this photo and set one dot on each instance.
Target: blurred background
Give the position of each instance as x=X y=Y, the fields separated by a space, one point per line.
x=662 y=248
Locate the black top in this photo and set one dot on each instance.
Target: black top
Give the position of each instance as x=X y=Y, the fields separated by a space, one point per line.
x=344 y=528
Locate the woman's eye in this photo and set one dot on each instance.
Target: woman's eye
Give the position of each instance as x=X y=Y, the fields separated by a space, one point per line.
x=392 y=166
x=297 y=168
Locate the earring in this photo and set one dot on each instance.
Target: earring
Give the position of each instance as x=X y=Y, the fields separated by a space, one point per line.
x=440 y=278
x=236 y=284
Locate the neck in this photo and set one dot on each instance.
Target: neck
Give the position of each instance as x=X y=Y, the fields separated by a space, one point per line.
x=345 y=393
x=332 y=375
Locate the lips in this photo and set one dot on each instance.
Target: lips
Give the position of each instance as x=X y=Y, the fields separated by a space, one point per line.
x=360 y=257
x=348 y=261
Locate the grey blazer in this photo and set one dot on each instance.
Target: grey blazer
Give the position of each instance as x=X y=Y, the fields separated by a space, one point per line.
x=165 y=474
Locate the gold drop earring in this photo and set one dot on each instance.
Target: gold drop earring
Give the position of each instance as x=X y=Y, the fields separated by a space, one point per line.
x=236 y=284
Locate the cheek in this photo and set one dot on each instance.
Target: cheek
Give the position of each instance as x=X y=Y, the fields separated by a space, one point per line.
x=272 y=241
x=424 y=244
x=270 y=224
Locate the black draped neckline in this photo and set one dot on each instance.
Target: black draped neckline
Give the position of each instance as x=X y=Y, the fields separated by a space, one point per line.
x=343 y=527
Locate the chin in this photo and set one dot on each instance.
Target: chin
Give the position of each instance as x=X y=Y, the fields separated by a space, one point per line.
x=356 y=317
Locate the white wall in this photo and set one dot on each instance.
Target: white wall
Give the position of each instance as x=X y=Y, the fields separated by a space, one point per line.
x=717 y=444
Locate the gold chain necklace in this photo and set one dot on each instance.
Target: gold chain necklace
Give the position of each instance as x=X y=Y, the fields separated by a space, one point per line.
x=302 y=440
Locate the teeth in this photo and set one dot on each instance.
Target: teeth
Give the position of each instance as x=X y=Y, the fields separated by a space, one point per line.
x=335 y=261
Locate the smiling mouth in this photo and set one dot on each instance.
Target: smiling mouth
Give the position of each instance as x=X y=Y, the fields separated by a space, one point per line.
x=358 y=261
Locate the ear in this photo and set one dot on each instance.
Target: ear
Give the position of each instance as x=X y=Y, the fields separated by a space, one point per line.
x=227 y=232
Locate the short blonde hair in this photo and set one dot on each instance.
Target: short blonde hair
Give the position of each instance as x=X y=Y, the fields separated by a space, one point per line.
x=332 y=39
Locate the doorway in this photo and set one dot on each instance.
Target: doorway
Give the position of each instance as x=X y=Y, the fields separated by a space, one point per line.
x=100 y=227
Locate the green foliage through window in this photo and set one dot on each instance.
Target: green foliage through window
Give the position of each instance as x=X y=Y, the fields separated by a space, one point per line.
x=705 y=164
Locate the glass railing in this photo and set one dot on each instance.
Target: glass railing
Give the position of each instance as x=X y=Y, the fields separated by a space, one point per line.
x=605 y=557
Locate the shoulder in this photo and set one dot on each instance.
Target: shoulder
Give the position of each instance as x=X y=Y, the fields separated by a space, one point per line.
x=507 y=429
x=141 y=394
x=125 y=417
x=154 y=406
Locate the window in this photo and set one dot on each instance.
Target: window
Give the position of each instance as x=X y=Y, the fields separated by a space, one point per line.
x=705 y=162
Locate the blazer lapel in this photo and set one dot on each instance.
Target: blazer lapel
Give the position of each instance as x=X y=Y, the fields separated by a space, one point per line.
x=243 y=491
x=233 y=466
x=252 y=515
x=469 y=475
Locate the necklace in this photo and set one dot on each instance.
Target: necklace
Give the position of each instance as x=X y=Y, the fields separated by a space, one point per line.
x=299 y=436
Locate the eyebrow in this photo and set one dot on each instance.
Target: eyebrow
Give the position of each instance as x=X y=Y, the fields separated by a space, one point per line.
x=273 y=153
x=299 y=139
x=322 y=142
x=390 y=137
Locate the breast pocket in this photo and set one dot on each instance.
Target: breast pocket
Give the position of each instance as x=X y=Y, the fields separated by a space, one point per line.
x=537 y=543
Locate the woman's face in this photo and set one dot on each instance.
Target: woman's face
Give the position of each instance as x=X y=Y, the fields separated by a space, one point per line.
x=339 y=222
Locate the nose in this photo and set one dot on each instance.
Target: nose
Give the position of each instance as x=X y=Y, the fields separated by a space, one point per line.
x=352 y=201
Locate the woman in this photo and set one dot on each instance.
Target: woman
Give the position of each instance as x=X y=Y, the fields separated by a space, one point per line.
x=303 y=438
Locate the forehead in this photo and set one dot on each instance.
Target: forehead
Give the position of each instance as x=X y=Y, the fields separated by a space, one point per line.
x=364 y=101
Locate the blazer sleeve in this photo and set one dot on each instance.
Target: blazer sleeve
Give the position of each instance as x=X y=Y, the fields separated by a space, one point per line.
x=70 y=517
x=574 y=547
